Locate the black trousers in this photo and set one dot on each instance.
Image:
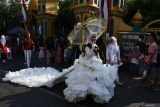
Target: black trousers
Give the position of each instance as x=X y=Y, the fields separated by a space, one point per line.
x=4 y=56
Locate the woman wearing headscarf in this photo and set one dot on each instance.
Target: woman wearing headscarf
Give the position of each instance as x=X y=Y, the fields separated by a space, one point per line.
x=113 y=56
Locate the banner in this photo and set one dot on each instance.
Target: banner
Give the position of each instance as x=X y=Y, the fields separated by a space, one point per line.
x=105 y=11
x=24 y=13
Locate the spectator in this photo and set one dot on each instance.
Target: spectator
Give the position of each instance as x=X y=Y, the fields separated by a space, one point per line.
x=9 y=45
x=41 y=48
x=141 y=44
x=28 y=45
x=48 y=45
x=4 y=48
x=136 y=57
x=150 y=62
x=58 y=54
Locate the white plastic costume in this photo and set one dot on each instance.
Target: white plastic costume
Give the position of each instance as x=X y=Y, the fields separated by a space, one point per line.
x=90 y=77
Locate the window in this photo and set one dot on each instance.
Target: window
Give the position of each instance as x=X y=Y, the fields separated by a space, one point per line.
x=115 y=2
x=95 y=1
x=43 y=7
x=80 y=1
x=87 y=1
x=39 y=8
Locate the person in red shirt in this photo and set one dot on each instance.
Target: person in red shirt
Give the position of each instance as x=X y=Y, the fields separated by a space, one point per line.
x=28 y=46
x=3 y=48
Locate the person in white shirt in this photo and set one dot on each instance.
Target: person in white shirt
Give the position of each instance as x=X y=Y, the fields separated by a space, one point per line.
x=113 y=56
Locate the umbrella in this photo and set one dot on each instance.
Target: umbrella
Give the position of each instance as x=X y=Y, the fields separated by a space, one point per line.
x=16 y=30
x=83 y=31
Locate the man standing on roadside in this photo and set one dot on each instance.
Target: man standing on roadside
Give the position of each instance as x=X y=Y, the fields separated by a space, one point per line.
x=28 y=45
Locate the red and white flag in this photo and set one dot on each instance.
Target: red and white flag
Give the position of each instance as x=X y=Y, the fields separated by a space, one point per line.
x=24 y=13
x=104 y=12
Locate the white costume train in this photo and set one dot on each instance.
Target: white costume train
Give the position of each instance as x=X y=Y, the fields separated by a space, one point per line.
x=87 y=76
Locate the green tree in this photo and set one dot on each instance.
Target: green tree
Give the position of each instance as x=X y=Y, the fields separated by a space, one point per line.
x=148 y=8
x=9 y=10
x=65 y=19
x=15 y=8
x=3 y=14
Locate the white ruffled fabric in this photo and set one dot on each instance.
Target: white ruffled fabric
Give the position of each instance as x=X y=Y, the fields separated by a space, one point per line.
x=33 y=77
x=90 y=77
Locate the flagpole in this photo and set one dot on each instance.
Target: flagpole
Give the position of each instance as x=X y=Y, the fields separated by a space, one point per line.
x=24 y=13
x=109 y=16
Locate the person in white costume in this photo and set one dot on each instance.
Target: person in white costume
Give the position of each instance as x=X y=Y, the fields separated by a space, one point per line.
x=90 y=77
x=113 y=56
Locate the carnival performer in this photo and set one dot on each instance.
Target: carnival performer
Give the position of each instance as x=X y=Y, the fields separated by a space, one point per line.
x=28 y=45
x=113 y=56
x=90 y=76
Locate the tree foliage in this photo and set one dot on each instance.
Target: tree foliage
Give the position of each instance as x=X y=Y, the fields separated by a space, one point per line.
x=9 y=9
x=14 y=8
x=65 y=19
x=150 y=10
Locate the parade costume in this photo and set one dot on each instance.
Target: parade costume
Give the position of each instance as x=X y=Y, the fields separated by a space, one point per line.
x=90 y=77
x=33 y=77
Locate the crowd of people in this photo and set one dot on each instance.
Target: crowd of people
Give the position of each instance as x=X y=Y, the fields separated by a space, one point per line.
x=44 y=48
x=144 y=60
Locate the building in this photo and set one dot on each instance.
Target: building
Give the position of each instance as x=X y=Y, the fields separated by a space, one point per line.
x=42 y=15
x=85 y=9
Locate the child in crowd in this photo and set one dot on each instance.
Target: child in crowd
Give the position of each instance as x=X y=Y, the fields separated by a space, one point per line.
x=58 y=55
x=41 y=53
x=135 y=58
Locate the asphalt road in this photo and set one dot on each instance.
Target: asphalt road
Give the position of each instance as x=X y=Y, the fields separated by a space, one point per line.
x=131 y=94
